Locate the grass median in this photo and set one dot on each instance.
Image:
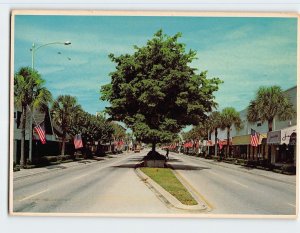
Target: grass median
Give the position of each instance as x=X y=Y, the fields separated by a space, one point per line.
x=167 y=180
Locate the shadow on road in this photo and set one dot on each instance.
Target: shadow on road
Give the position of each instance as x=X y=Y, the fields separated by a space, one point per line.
x=129 y=165
x=135 y=160
x=174 y=160
x=188 y=167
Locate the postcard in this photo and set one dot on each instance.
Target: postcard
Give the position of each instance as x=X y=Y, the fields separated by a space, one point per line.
x=153 y=114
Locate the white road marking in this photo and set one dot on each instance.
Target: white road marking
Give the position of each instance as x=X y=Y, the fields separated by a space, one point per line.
x=238 y=183
x=33 y=195
x=291 y=204
x=233 y=181
x=79 y=177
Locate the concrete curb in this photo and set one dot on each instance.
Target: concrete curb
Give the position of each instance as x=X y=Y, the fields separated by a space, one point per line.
x=169 y=199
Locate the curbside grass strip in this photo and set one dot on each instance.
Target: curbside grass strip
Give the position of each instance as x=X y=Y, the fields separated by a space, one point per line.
x=196 y=195
x=167 y=198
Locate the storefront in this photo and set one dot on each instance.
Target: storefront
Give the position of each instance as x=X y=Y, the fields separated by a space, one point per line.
x=283 y=145
x=240 y=146
x=288 y=145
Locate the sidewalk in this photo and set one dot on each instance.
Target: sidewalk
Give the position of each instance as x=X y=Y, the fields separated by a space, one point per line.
x=34 y=171
x=268 y=174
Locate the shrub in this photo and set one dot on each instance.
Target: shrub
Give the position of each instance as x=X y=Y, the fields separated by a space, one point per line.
x=16 y=167
x=29 y=166
x=288 y=169
x=251 y=163
x=229 y=160
x=240 y=161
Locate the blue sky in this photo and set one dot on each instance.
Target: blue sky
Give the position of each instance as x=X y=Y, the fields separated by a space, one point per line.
x=245 y=53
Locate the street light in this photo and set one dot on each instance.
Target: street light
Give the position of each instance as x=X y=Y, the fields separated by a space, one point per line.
x=33 y=51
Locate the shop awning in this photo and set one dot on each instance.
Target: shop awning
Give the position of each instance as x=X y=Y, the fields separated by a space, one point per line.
x=241 y=140
x=287 y=133
x=274 y=137
x=262 y=138
x=293 y=139
x=246 y=139
x=282 y=136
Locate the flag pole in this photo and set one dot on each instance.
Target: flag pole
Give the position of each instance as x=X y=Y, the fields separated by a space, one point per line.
x=30 y=132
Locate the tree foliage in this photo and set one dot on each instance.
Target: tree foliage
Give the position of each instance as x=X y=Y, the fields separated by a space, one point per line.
x=156 y=93
x=230 y=117
x=29 y=93
x=268 y=103
x=214 y=122
x=65 y=111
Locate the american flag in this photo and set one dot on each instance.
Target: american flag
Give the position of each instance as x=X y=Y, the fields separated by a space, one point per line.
x=78 y=141
x=220 y=142
x=41 y=132
x=254 y=138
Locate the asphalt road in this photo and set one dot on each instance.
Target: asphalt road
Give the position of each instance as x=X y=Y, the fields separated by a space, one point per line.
x=234 y=191
x=112 y=187
x=108 y=187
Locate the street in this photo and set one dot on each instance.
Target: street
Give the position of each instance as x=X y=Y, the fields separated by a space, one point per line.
x=112 y=187
x=109 y=186
x=230 y=190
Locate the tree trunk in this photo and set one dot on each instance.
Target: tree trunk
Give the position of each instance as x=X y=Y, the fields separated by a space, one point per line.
x=228 y=146
x=153 y=146
x=216 y=142
x=22 y=159
x=270 y=126
x=63 y=145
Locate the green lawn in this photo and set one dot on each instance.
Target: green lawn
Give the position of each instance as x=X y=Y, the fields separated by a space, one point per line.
x=166 y=179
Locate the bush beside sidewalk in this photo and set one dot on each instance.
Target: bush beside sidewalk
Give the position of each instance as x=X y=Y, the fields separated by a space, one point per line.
x=287 y=169
x=58 y=159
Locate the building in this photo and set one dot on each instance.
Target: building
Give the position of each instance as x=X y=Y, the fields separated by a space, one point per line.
x=53 y=137
x=281 y=141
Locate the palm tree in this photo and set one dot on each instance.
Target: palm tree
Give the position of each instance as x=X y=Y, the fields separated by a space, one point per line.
x=64 y=112
x=229 y=117
x=214 y=122
x=268 y=103
x=29 y=94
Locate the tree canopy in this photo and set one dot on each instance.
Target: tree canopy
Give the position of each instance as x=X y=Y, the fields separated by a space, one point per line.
x=64 y=111
x=156 y=92
x=268 y=103
x=29 y=93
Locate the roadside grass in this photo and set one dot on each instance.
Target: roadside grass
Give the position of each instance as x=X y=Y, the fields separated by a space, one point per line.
x=167 y=180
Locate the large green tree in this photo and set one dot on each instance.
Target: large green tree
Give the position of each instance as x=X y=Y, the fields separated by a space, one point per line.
x=230 y=117
x=270 y=102
x=156 y=92
x=29 y=94
x=64 y=111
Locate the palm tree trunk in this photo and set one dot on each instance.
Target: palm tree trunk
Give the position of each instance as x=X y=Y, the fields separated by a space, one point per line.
x=63 y=145
x=216 y=142
x=228 y=146
x=22 y=159
x=270 y=126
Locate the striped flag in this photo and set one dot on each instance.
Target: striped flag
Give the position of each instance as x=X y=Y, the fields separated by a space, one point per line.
x=78 y=141
x=254 y=138
x=220 y=142
x=41 y=132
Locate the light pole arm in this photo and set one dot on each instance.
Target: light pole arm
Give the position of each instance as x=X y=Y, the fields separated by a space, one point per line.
x=34 y=49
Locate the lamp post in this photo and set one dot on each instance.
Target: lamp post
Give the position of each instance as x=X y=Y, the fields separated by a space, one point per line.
x=33 y=51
